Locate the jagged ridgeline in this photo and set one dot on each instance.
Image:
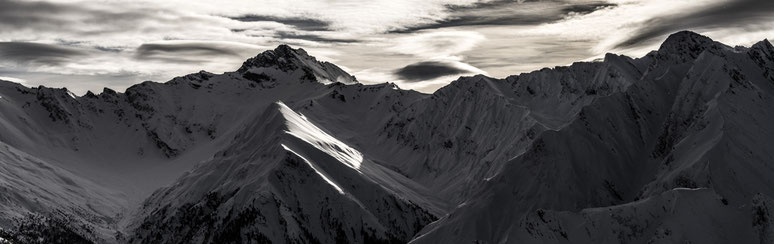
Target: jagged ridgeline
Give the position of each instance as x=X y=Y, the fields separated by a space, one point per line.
x=675 y=146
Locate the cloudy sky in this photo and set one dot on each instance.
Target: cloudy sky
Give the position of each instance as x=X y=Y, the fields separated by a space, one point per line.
x=418 y=44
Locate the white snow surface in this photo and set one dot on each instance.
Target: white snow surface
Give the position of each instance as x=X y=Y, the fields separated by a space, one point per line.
x=300 y=127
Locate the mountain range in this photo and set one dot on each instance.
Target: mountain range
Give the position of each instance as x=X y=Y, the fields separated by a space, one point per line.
x=675 y=146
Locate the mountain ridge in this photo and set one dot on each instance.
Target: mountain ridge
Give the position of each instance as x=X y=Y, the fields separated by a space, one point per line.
x=483 y=159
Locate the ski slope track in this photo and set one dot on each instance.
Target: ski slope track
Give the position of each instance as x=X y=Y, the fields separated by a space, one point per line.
x=676 y=146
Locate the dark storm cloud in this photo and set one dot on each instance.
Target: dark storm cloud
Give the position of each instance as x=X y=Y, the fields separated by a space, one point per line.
x=734 y=14
x=306 y=24
x=38 y=54
x=427 y=70
x=508 y=12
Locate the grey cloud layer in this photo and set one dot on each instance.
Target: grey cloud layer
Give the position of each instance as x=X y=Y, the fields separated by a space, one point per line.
x=59 y=17
x=733 y=14
x=509 y=12
x=283 y=35
x=107 y=25
x=185 y=52
x=428 y=70
x=306 y=24
x=27 y=53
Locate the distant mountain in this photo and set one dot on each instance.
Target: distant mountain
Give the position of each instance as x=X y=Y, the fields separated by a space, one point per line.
x=683 y=154
x=671 y=147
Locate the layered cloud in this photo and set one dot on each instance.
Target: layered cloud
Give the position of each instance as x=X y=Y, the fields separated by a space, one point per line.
x=418 y=44
x=510 y=13
x=428 y=70
x=748 y=15
x=194 y=51
x=36 y=54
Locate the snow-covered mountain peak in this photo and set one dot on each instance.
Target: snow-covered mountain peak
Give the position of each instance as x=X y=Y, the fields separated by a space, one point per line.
x=762 y=53
x=279 y=56
x=286 y=59
x=764 y=46
x=687 y=45
x=685 y=39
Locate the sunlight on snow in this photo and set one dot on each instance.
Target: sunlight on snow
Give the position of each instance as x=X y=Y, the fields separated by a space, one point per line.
x=302 y=128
